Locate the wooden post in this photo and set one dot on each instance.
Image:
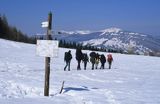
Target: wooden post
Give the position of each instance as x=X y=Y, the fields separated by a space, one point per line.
x=47 y=59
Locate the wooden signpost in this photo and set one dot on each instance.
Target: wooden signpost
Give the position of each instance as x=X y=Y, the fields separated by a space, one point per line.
x=47 y=59
x=47 y=48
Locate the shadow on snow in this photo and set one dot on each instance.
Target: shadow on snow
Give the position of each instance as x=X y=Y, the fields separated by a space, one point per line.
x=74 y=89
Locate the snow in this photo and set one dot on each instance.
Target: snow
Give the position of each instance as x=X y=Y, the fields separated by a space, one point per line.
x=112 y=30
x=95 y=41
x=132 y=79
x=114 y=42
x=133 y=33
x=119 y=44
x=82 y=32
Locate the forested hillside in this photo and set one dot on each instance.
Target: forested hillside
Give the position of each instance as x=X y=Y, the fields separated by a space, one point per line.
x=12 y=33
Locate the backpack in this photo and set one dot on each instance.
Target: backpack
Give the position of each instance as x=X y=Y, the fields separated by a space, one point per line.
x=85 y=57
x=92 y=54
x=67 y=56
x=109 y=57
x=79 y=54
x=103 y=59
x=92 y=60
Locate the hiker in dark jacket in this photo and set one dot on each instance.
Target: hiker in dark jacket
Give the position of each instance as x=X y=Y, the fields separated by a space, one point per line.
x=103 y=61
x=67 y=59
x=92 y=59
x=85 y=60
x=79 y=57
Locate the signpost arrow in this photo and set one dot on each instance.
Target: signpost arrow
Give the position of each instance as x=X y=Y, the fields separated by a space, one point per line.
x=45 y=24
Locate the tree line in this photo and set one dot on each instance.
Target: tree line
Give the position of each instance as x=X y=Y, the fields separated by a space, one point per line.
x=12 y=33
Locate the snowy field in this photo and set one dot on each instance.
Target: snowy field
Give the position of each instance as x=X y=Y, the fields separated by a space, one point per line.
x=132 y=79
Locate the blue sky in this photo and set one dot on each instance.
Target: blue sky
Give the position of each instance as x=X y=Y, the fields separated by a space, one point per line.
x=133 y=15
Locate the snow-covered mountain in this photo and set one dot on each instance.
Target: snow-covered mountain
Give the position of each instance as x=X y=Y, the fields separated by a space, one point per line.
x=114 y=38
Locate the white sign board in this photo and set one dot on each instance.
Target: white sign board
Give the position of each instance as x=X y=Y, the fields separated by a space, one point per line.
x=47 y=48
x=44 y=24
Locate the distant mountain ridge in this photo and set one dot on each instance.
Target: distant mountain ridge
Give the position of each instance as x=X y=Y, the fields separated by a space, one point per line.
x=114 y=38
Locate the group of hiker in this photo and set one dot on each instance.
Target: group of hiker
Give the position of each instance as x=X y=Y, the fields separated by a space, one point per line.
x=95 y=59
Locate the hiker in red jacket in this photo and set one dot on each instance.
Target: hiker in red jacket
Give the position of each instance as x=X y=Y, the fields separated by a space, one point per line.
x=109 y=59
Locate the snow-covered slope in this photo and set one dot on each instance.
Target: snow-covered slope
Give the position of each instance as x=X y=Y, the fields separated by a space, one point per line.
x=132 y=79
x=115 y=38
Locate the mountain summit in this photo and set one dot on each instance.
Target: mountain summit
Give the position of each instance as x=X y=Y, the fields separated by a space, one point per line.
x=112 y=30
